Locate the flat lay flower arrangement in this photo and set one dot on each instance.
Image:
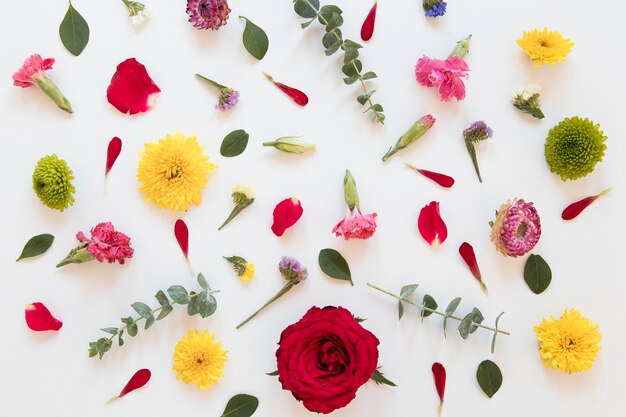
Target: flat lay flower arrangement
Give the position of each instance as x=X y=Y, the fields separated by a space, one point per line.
x=334 y=267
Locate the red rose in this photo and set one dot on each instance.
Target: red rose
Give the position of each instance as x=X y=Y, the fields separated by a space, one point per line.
x=325 y=358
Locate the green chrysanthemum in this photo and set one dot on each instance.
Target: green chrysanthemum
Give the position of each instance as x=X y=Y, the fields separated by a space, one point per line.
x=52 y=182
x=574 y=147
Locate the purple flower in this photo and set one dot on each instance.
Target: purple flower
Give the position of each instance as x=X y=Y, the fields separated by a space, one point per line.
x=291 y=269
x=434 y=8
x=477 y=131
x=208 y=14
x=517 y=228
x=227 y=99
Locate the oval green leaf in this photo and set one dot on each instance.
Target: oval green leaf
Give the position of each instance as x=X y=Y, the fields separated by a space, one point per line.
x=430 y=303
x=74 y=31
x=303 y=7
x=537 y=274
x=234 y=143
x=489 y=377
x=254 y=39
x=241 y=405
x=36 y=245
x=334 y=265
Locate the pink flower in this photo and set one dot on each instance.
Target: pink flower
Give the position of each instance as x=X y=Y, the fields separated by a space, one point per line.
x=445 y=74
x=356 y=226
x=32 y=70
x=106 y=243
x=517 y=228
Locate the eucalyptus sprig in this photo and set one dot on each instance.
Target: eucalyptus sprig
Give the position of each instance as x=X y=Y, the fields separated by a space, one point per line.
x=201 y=302
x=330 y=17
x=468 y=324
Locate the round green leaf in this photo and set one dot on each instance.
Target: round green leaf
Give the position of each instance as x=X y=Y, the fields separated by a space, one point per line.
x=36 y=245
x=303 y=7
x=74 y=31
x=241 y=405
x=489 y=377
x=234 y=143
x=537 y=274
x=334 y=265
x=254 y=39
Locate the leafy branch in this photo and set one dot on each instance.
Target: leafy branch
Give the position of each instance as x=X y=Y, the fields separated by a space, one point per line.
x=202 y=303
x=330 y=17
x=468 y=324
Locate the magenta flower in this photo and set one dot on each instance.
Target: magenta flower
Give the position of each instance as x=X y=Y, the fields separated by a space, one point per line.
x=208 y=14
x=227 y=99
x=517 y=228
x=444 y=74
x=356 y=225
x=105 y=244
x=33 y=72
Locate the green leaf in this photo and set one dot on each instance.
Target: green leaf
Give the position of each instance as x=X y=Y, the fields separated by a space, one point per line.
x=307 y=24
x=450 y=311
x=162 y=298
x=101 y=347
x=120 y=341
x=178 y=293
x=192 y=307
x=326 y=13
x=241 y=405
x=149 y=322
x=377 y=107
x=467 y=325
x=131 y=327
x=428 y=302
x=489 y=377
x=348 y=44
x=537 y=274
x=334 y=265
x=333 y=48
x=351 y=80
x=334 y=22
x=234 y=143
x=331 y=38
x=74 y=31
x=405 y=292
x=206 y=304
x=303 y=8
x=275 y=373
x=142 y=309
x=350 y=54
x=493 y=340
x=254 y=39
x=203 y=282
x=362 y=99
x=352 y=68
x=380 y=379
x=36 y=245
x=110 y=330
x=369 y=75
x=165 y=311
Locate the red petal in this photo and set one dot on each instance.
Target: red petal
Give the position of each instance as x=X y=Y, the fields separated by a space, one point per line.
x=431 y=225
x=467 y=253
x=439 y=373
x=441 y=179
x=296 y=95
x=132 y=90
x=574 y=209
x=286 y=214
x=138 y=380
x=182 y=236
x=39 y=318
x=113 y=151
x=367 y=30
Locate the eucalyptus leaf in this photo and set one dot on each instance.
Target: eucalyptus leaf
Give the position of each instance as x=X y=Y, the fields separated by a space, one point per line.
x=537 y=274
x=303 y=8
x=405 y=292
x=493 y=340
x=330 y=39
x=74 y=31
x=162 y=298
x=333 y=48
x=149 y=322
x=450 y=311
x=36 y=245
x=369 y=75
x=178 y=293
x=206 y=304
x=348 y=44
x=203 y=282
x=192 y=307
x=110 y=330
x=326 y=13
x=234 y=143
x=307 y=24
x=350 y=54
x=363 y=98
x=254 y=39
x=241 y=405
x=165 y=311
x=132 y=329
x=489 y=377
x=142 y=309
x=334 y=22
x=352 y=68
x=334 y=265
x=428 y=302
x=351 y=80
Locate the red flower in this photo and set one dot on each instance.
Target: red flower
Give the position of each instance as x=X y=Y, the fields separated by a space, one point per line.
x=132 y=90
x=107 y=244
x=39 y=318
x=286 y=214
x=431 y=225
x=325 y=358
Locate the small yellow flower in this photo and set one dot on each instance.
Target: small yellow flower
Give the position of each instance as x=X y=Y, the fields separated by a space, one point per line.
x=173 y=171
x=244 y=189
x=198 y=359
x=545 y=47
x=248 y=272
x=569 y=344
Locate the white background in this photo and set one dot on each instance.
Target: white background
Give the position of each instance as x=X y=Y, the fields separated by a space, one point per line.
x=51 y=373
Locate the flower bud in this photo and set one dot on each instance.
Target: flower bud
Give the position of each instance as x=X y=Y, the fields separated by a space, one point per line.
x=462 y=47
x=350 y=192
x=416 y=131
x=291 y=144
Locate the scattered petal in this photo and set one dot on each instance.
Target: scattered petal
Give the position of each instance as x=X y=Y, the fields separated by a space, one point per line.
x=367 y=30
x=286 y=214
x=467 y=253
x=132 y=90
x=439 y=374
x=573 y=210
x=113 y=151
x=39 y=318
x=138 y=380
x=431 y=226
x=441 y=179
x=182 y=236
x=296 y=95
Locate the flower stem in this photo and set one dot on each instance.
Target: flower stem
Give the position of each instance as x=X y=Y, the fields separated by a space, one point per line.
x=422 y=307
x=472 y=151
x=211 y=82
x=49 y=87
x=236 y=210
x=279 y=294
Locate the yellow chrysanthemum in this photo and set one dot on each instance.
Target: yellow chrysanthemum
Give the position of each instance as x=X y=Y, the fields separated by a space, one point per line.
x=173 y=171
x=248 y=272
x=198 y=359
x=569 y=344
x=545 y=47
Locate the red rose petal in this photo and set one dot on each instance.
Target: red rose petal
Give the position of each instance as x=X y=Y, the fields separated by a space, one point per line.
x=431 y=225
x=137 y=381
x=467 y=253
x=439 y=374
x=367 y=30
x=132 y=90
x=182 y=236
x=296 y=95
x=39 y=318
x=441 y=179
x=286 y=214
x=574 y=209
x=113 y=151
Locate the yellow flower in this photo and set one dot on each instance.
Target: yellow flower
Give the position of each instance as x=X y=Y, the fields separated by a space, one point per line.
x=173 y=171
x=545 y=47
x=243 y=189
x=569 y=344
x=198 y=359
x=248 y=272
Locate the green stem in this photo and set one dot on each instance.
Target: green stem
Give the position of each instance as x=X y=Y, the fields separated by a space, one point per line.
x=279 y=294
x=472 y=151
x=211 y=82
x=422 y=307
x=238 y=209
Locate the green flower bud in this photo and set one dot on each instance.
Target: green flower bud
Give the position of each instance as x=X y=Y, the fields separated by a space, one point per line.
x=462 y=47
x=414 y=133
x=291 y=144
x=350 y=192
x=52 y=182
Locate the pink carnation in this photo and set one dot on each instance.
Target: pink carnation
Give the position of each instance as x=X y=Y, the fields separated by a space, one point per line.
x=106 y=243
x=445 y=74
x=356 y=226
x=32 y=69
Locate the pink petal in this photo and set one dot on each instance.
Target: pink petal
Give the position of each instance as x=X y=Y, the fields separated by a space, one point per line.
x=132 y=90
x=431 y=225
x=39 y=318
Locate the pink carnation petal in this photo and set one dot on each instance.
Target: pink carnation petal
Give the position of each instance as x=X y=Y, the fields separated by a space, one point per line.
x=39 y=318
x=132 y=90
x=431 y=226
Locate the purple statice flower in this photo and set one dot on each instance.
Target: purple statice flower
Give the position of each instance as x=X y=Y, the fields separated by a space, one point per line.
x=434 y=8
x=227 y=99
x=291 y=269
x=477 y=132
x=517 y=228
